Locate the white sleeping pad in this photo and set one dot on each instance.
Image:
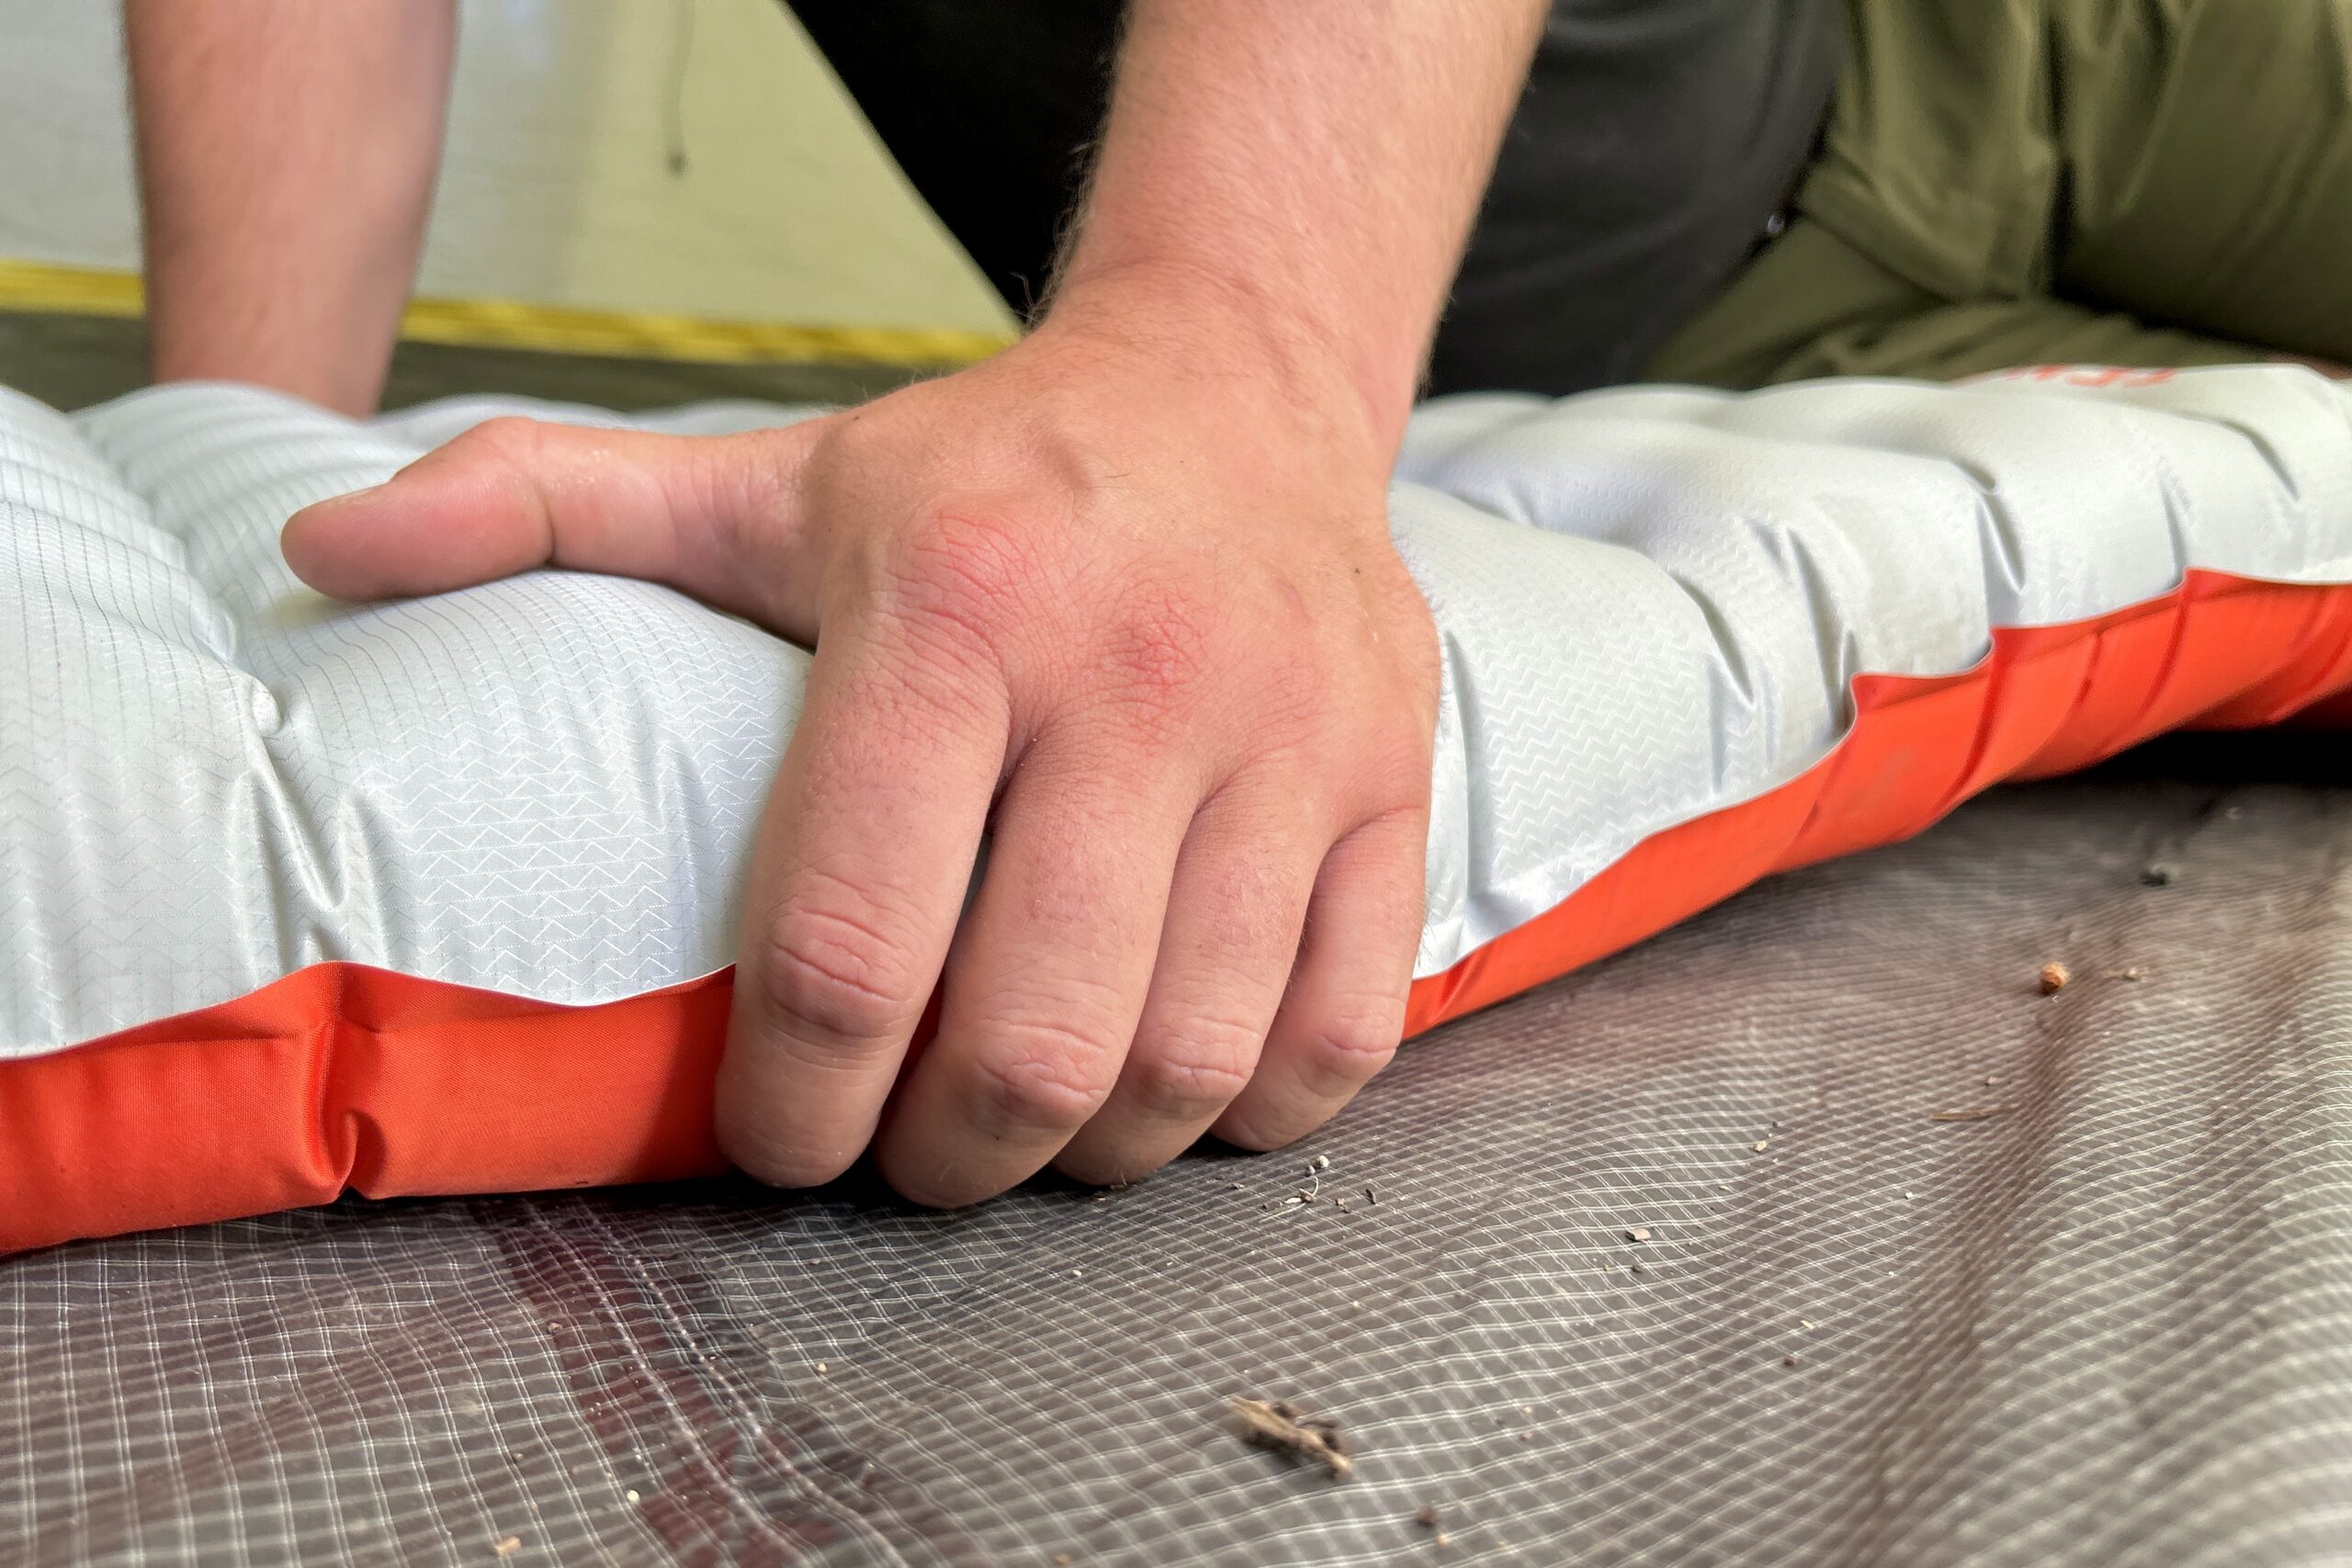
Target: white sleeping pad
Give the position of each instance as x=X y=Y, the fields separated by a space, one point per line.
x=1652 y=603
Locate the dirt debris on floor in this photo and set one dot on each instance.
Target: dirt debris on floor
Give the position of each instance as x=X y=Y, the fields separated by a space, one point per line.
x=1279 y=1425
x=2159 y=874
x=1427 y=1517
x=2053 y=978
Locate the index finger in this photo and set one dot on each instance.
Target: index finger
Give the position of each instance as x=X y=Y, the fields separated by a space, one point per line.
x=865 y=853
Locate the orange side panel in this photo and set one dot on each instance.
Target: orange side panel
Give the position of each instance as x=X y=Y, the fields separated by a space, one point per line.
x=343 y=1076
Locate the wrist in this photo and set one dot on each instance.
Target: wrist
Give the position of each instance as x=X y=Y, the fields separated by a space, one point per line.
x=350 y=382
x=1219 y=322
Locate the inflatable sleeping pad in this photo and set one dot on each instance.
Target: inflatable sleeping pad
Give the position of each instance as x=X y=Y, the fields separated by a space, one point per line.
x=437 y=895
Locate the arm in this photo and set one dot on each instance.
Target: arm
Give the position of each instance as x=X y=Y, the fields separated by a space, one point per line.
x=286 y=154
x=1311 y=169
x=1123 y=597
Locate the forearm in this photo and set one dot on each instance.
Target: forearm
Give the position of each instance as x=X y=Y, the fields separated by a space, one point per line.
x=1313 y=167
x=286 y=154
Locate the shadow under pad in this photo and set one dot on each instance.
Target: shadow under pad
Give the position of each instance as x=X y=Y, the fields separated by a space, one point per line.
x=2111 y=1323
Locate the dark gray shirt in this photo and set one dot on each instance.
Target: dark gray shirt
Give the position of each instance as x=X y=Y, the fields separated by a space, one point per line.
x=1655 y=141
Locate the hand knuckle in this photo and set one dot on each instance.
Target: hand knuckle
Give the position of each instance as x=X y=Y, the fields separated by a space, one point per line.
x=965 y=570
x=1119 y=1168
x=1039 y=1076
x=926 y=1193
x=1256 y=1134
x=1348 y=1045
x=836 y=974
x=1198 y=1072
x=1159 y=644
x=939 y=1174
x=1392 y=775
x=762 y=1153
x=509 y=437
x=1303 y=726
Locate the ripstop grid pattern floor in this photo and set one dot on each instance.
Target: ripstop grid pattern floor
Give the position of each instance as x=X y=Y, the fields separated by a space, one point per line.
x=2110 y=1324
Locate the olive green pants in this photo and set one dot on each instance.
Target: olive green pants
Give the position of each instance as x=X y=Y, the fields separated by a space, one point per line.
x=2013 y=182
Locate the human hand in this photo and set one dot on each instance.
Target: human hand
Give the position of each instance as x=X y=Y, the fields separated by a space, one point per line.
x=1125 y=596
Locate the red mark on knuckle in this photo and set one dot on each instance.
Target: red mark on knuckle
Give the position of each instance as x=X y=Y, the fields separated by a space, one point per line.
x=1158 y=642
x=965 y=573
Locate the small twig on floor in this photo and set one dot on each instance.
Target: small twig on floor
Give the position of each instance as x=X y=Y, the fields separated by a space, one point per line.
x=1278 y=1424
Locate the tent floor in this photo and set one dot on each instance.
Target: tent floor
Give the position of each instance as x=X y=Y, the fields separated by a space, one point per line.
x=2109 y=1321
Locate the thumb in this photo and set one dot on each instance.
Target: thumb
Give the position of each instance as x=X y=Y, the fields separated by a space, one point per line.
x=716 y=516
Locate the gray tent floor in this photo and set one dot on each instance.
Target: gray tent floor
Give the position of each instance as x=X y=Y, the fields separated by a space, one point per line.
x=2109 y=1322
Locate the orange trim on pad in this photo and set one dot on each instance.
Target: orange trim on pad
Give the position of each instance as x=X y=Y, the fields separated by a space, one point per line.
x=342 y=1075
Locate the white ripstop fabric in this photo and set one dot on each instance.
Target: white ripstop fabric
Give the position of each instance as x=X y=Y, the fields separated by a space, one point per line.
x=1651 y=601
